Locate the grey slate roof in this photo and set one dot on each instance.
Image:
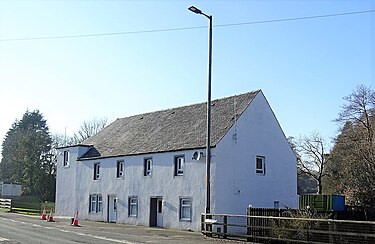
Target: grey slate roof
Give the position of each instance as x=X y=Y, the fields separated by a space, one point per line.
x=173 y=129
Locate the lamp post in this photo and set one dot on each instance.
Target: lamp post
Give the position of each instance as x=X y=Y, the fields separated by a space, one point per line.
x=208 y=149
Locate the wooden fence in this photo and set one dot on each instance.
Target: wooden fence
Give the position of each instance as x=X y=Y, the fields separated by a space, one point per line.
x=270 y=229
x=6 y=204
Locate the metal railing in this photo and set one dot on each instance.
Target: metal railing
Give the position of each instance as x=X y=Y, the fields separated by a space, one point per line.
x=269 y=229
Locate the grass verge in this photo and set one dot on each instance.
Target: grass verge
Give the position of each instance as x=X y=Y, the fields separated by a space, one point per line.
x=31 y=207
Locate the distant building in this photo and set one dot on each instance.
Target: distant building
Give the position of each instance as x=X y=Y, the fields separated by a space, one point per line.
x=10 y=190
x=306 y=184
x=149 y=169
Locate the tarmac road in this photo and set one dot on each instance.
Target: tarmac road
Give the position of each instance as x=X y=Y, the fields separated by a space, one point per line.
x=16 y=228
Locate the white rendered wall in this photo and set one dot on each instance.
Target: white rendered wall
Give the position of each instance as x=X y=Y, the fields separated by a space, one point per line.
x=66 y=181
x=236 y=183
x=162 y=183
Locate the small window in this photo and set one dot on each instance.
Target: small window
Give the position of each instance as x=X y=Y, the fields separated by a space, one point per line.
x=120 y=169
x=179 y=162
x=147 y=166
x=185 y=209
x=133 y=206
x=96 y=171
x=114 y=204
x=260 y=167
x=66 y=158
x=160 y=206
x=96 y=203
x=276 y=204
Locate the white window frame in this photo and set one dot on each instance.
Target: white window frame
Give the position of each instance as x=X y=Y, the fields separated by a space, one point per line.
x=262 y=169
x=179 y=163
x=66 y=158
x=147 y=166
x=96 y=203
x=120 y=169
x=93 y=206
x=96 y=171
x=100 y=203
x=185 y=203
x=133 y=206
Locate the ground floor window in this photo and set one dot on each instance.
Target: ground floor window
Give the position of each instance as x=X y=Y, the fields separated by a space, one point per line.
x=185 y=209
x=96 y=203
x=133 y=206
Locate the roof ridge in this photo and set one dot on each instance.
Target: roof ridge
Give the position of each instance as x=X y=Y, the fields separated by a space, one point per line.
x=189 y=105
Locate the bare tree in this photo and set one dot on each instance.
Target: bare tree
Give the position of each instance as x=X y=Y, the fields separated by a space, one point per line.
x=88 y=129
x=353 y=156
x=313 y=157
x=360 y=110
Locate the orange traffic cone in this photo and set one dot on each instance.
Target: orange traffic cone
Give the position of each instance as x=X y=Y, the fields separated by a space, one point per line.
x=44 y=215
x=50 y=216
x=75 y=221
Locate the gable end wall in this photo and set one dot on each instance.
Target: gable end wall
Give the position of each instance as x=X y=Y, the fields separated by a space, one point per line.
x=235 y=182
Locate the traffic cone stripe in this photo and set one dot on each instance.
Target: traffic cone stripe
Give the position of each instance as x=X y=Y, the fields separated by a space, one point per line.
x=75 y=222
x=50 y=216
x=44 y=215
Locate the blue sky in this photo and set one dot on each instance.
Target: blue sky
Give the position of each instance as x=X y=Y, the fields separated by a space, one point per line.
x=304 y=67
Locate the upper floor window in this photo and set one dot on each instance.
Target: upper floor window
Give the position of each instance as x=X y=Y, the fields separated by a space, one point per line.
x=96 y=203
x=133 y=206
x=96 y=171
x=147 y=166
x=260 y=165
x=185 y=209
x=179 y=162
x=66 y=158
x=120 y=169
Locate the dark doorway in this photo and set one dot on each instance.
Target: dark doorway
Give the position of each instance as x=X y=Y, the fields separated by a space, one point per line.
x=153 y=211
x=156 y=212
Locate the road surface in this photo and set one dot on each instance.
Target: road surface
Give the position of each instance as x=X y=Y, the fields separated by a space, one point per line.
x=15 y=228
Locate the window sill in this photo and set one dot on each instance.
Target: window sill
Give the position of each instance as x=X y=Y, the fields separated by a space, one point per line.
x=185 y=220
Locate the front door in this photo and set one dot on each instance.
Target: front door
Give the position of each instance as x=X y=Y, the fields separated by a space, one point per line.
x=112 y=209
x=156 y=212
x=159 y=217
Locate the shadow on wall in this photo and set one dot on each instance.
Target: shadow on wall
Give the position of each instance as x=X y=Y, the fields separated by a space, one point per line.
x=170 y=206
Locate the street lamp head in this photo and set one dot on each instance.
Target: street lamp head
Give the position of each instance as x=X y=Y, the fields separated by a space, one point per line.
x=195 y=10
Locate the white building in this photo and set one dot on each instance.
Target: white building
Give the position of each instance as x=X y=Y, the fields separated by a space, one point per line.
x=10 y=190
x=139 y=170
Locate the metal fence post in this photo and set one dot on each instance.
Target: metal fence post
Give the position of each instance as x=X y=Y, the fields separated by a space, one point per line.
x=209 y=225
x=225 y=226
x=248 y=224
x=202 y=223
